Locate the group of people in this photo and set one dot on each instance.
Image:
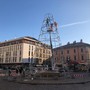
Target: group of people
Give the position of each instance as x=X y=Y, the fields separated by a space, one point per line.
x=18 y=70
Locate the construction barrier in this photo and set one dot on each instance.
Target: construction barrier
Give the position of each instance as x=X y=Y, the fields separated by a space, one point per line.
x=13 y=73
x=78 y=75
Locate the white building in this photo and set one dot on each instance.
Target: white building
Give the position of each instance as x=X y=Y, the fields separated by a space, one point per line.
x=23 y=50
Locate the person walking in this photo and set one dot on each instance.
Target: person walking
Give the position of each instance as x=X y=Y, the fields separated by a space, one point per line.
x=9 y=72
x=17 y=71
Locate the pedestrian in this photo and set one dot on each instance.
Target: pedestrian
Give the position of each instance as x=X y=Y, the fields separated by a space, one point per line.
x=17 y=71
x=20 y=70
x=23 y=72
x=89 y=70
x=9 y=72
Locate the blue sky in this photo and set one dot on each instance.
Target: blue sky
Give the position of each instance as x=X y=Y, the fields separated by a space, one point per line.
x=24 y=18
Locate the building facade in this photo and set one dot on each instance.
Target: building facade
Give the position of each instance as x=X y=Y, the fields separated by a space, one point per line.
x=24 y=50
x=76 y=52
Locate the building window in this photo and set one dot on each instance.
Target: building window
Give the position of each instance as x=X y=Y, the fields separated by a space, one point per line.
x=20 y=47
x=40 y=55
x=81 y=49
x=20 y=52
x=43 y=51
x=32 y=48
x=9 y=60
x=74 y=50
x=19 y=59
x=15 y=59
x=55 y=59
x=29 y=53
x=29 y=47
x=74 y=57
x=56 y=52
x=61 y=52
x=32 y=54
x=67 y=51
x=82 y=57
x=0 y=60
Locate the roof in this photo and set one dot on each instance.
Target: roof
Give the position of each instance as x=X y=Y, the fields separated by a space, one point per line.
x=25 y=37
x=75 y=44
x=28 y=38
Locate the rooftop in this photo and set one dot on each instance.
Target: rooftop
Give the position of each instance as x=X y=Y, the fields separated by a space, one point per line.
x=25 y=37
x=74 y=44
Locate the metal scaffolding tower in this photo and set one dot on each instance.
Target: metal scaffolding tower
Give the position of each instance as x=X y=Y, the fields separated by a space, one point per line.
x=49 y=35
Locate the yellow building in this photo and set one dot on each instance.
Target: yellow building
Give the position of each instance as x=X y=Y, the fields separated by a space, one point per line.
x=23 y=50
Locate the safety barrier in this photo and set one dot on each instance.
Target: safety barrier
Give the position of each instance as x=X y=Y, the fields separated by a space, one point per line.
x=79 y=75
x=13 y=73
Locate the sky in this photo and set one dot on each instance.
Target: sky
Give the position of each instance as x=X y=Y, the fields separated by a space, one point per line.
x=20 y=18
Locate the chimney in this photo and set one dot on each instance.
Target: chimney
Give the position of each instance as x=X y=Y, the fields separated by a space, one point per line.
x=74 y=42
x=81 y=40
x=68 y=43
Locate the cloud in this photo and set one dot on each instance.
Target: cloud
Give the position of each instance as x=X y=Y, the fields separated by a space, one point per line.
x=75 y=23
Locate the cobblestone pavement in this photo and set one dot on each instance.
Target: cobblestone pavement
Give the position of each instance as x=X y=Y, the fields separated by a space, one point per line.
x=78 y=78
x=5 y=85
